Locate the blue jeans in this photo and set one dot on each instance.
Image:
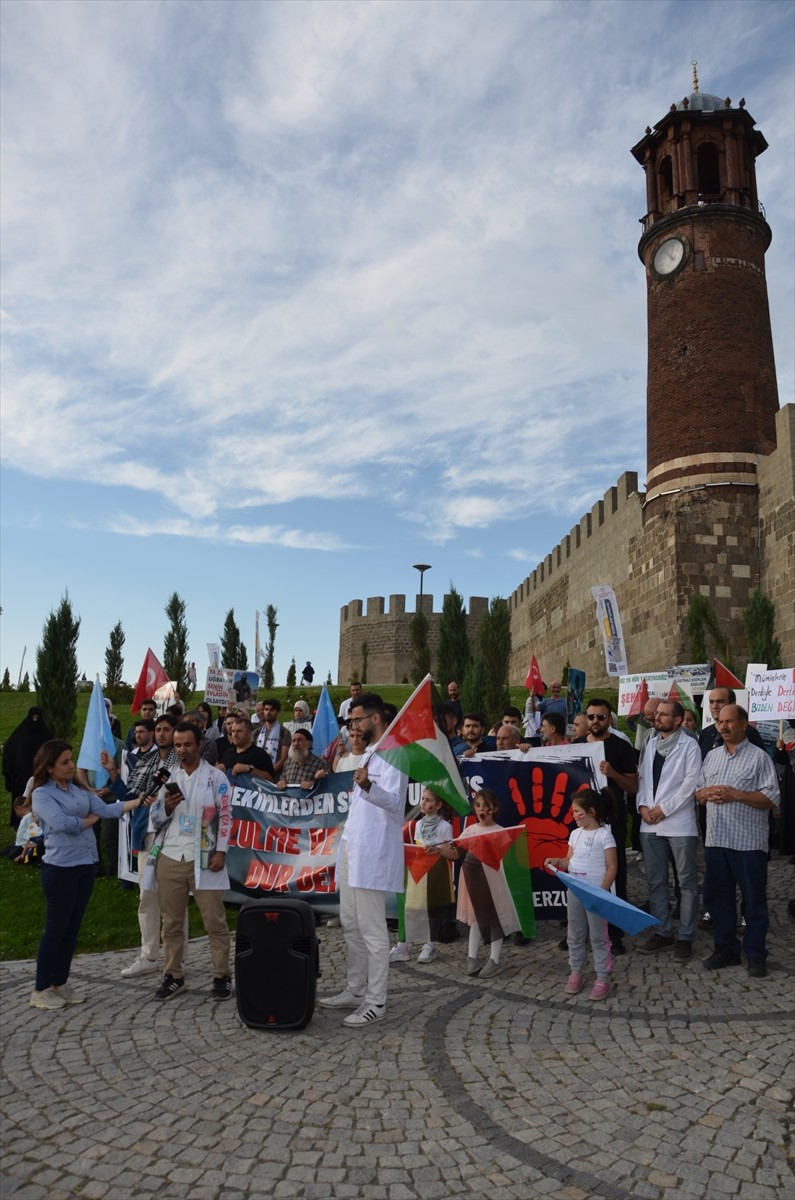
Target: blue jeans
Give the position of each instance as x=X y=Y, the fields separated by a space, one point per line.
x=656 y=853
x=724 y=871
x=67 y=891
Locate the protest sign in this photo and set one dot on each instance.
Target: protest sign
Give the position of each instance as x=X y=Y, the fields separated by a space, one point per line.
x=693 y=678
x=218 y=688
x=575 y=692
x=609 y=621
x=771 y=694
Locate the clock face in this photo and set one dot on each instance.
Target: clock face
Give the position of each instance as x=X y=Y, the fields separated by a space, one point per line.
x=669 y=256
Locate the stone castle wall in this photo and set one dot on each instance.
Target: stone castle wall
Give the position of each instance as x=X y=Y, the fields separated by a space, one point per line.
x=387 y=633
x=722 y=542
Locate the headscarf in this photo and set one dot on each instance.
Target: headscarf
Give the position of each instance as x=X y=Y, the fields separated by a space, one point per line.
x=20 y=751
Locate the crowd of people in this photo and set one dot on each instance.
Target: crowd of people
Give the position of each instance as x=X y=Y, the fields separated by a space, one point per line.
x=674 y=789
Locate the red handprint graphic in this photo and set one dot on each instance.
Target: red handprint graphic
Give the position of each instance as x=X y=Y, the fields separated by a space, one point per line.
x=547 y=836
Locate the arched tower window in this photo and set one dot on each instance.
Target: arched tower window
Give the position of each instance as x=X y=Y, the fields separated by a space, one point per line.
x=665 y=175
x=708 y=169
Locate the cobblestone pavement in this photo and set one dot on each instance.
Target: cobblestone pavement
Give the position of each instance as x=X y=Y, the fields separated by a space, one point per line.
x=679 y=1086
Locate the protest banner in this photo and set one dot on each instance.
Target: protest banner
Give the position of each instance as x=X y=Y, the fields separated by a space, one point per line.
x=609 y=621
x=693 y=678
x=219 y=686
x=285 y=841
x=771 y=693
x=536 y=790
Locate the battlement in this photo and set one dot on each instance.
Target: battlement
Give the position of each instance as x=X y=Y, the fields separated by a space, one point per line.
x=386 y=633
x=617 y=502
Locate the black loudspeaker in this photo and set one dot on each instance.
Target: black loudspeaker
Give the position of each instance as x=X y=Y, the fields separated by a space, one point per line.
x=276 y=964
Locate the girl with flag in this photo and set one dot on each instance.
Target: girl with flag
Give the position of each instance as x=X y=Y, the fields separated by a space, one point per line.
x=484 y=901
x=427 y=899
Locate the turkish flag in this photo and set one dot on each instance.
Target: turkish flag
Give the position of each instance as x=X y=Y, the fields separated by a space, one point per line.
x=151 y=678
x=534 y=682
x=641 y=696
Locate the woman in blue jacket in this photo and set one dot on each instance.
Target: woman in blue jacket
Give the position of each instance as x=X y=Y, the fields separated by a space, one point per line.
x=66 y=811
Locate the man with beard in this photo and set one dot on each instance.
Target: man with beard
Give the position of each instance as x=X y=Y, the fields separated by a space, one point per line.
x=271 y=734
x=370 y=865
x=303 y=768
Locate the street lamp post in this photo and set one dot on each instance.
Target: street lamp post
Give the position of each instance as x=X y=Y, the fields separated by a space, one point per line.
x=422 y=568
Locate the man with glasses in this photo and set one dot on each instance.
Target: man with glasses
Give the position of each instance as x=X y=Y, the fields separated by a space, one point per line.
x=618 y=765
x=370 y=865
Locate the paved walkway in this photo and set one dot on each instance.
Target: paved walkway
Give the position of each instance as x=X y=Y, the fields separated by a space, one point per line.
x=679 y=1086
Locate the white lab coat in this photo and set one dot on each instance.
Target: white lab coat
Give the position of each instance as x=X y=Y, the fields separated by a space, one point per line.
x=676 y=789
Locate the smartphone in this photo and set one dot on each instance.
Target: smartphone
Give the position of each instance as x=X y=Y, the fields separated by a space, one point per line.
x=172 y=789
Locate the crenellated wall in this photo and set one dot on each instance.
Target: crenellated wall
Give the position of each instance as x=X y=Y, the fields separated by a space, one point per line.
x=777 y=530
x=386 y=629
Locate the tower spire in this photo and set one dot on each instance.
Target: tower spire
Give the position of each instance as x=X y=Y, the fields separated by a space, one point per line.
x=695 y=77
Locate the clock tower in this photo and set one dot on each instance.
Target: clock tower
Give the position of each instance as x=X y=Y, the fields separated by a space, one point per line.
x=712 y=397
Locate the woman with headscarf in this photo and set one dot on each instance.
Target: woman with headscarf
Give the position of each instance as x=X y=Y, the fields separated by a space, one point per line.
x=19 y=753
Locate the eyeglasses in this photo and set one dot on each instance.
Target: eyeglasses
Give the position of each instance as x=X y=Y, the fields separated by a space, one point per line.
x=357 y=720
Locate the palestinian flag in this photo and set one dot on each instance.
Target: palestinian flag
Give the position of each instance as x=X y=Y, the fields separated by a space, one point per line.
x=679 y=693
x=639 y=701
x=491 y=846
x=723 y=677
x=416 y=746
x=418 y=862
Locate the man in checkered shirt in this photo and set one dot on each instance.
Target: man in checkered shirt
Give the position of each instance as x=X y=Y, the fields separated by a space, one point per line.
x=738 y=785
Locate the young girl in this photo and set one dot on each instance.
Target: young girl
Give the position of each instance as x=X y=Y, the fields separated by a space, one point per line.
x=593 y=856
x=427 y=901
x=484 y=902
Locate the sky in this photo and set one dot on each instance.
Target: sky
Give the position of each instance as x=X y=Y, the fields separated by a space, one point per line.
x=297 y=295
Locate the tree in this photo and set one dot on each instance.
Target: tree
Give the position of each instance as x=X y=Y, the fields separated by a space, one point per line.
x=702 y=620
x=494 y=651
x=25 y=684
x=56 y=670
x=230 y=642
x=175 y=646
x=267 y=662
x=759 y=616
x=114 y=662
x=291 y=674
x=242 y=658
x=328 y=680
x=420 y=651
x=365 y=656
x=473 y=687
x=5 y=686
x=454 y=654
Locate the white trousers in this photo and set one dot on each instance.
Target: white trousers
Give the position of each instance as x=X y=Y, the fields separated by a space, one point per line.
x=363 y=920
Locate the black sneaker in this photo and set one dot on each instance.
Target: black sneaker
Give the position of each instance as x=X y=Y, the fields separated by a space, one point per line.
x=722 y=957
x=757 y=968
x=169 y=987
x=222 y=988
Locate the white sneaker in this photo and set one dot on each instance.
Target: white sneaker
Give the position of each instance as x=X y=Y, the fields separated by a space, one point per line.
x=399 y=952
x=141 y=966
x=428 y=953
x=344 y=999
x=46 y=999
x=366 y=1014
x=68 y=993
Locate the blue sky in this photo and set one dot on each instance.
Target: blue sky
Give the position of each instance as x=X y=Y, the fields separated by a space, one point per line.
x=296 y=295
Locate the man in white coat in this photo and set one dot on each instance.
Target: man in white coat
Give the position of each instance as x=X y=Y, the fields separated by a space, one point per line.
x=370 y=865
x=192 y=818
x=668 y=774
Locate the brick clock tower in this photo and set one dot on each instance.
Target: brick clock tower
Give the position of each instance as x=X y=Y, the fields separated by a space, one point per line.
x=712 y=397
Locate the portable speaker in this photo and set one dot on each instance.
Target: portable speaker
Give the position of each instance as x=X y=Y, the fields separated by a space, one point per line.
x=276 y=964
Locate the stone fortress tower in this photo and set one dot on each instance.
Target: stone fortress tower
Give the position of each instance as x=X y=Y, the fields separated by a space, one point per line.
x=718 y=513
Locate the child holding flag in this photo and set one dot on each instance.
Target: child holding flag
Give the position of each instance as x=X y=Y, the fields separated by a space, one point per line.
x=484 y=901
x=592 y=855
x=427 y=900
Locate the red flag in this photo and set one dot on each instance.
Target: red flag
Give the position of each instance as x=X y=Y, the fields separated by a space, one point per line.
x=491 y=845
x=724 y=677
x=418 y=862
x=151 y=678
x=639 y=702
x=534 y=682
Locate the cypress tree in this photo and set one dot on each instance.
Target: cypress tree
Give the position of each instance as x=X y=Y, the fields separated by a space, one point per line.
x=56 y=670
